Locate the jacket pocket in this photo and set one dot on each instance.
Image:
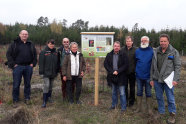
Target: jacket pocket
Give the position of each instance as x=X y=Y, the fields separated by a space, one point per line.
x=170 y=57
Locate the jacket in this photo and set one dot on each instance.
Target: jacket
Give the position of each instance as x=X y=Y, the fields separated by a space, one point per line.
x=143 y=62
x=13 y=51
x=171 y=63
x=48 y=62
x=131 y=58
x=122 y=67
x=61 y=53
x=66 y=67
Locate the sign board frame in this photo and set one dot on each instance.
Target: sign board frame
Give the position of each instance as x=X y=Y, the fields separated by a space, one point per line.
x=96 y=44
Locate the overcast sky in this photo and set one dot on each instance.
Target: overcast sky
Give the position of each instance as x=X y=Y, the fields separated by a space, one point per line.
x=149 y=14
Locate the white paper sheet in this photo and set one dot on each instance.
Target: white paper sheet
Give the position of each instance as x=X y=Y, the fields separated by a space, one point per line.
x=169 y=80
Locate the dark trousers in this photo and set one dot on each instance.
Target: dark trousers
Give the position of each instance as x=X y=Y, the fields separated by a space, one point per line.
x=18 y=72
x=78 y=84
x=131 y=78
x=63 y=87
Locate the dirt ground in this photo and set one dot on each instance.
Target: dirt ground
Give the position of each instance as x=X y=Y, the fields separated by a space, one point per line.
x=60 y=112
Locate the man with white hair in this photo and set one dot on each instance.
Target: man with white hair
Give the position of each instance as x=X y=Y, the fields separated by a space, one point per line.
x=73 y=70
x=144 y=56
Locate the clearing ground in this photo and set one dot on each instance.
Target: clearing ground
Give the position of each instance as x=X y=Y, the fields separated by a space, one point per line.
x=60 y=112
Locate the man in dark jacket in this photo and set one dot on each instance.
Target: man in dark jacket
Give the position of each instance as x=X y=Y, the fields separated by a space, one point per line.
x=116 y=64
x=129 y=49
x=48 y=67
x=63 y=51
x=22 y=57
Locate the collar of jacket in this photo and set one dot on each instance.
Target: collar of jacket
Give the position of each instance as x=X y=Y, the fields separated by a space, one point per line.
x=61 y=48
x=171 y=49
x=168 y=50
x=48 y=49
x=18 y=40
x=77 y=53
x=126 y=48
x=145 y=48
x=112 y=52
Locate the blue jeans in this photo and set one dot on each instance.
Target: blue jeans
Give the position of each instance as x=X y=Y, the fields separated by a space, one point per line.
x=140 y=84
x=18 y=72
x=121 y=89
x=159 y=89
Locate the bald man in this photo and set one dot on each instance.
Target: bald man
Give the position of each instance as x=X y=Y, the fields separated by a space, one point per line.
x=63 y=51
x=22 y=57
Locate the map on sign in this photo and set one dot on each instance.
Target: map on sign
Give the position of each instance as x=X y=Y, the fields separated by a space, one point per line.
x=96 y=45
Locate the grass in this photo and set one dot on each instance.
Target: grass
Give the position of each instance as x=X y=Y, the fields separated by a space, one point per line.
x=60 y=112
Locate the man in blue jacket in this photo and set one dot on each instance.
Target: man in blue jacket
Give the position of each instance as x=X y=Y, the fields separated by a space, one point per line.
x=165 y=61
x=144 y=56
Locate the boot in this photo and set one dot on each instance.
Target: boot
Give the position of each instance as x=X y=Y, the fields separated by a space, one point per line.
x=139 y=103
x=158 y=115
x=49 y=96
x=44 y=100
x=148 y=102
x=171 y=119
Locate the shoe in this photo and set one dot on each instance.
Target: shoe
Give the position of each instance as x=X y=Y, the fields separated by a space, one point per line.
x=112 y=107
x=171 y=119
x=131 y=103
x=50 y=100
x=27 y=101
x=44 y=100
x=123 y=111
x=158 y=115
x=71 y=101
x=78 y=102
x=15 y=104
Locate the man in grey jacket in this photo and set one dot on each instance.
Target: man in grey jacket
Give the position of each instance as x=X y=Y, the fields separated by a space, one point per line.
x=165 y=60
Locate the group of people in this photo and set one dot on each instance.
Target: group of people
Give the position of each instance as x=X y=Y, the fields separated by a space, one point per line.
x=67 y=60
x=148 y=67
x=145 y=66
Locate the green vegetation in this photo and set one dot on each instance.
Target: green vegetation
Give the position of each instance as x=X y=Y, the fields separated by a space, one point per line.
x=44 y=30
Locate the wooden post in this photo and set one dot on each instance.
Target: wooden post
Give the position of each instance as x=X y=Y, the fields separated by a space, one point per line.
x=96 y=80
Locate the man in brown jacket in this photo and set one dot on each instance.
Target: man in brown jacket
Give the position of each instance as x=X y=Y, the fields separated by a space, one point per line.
x=73 y=70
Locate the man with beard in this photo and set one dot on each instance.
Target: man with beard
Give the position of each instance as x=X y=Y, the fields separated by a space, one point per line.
x=144 y=56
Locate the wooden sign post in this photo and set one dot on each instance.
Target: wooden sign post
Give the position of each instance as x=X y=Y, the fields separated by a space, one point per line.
x=96 y=80
x=95 y=45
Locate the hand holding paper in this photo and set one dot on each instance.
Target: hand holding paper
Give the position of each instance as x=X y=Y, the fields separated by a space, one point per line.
x=169 y=80
x=174 y=83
